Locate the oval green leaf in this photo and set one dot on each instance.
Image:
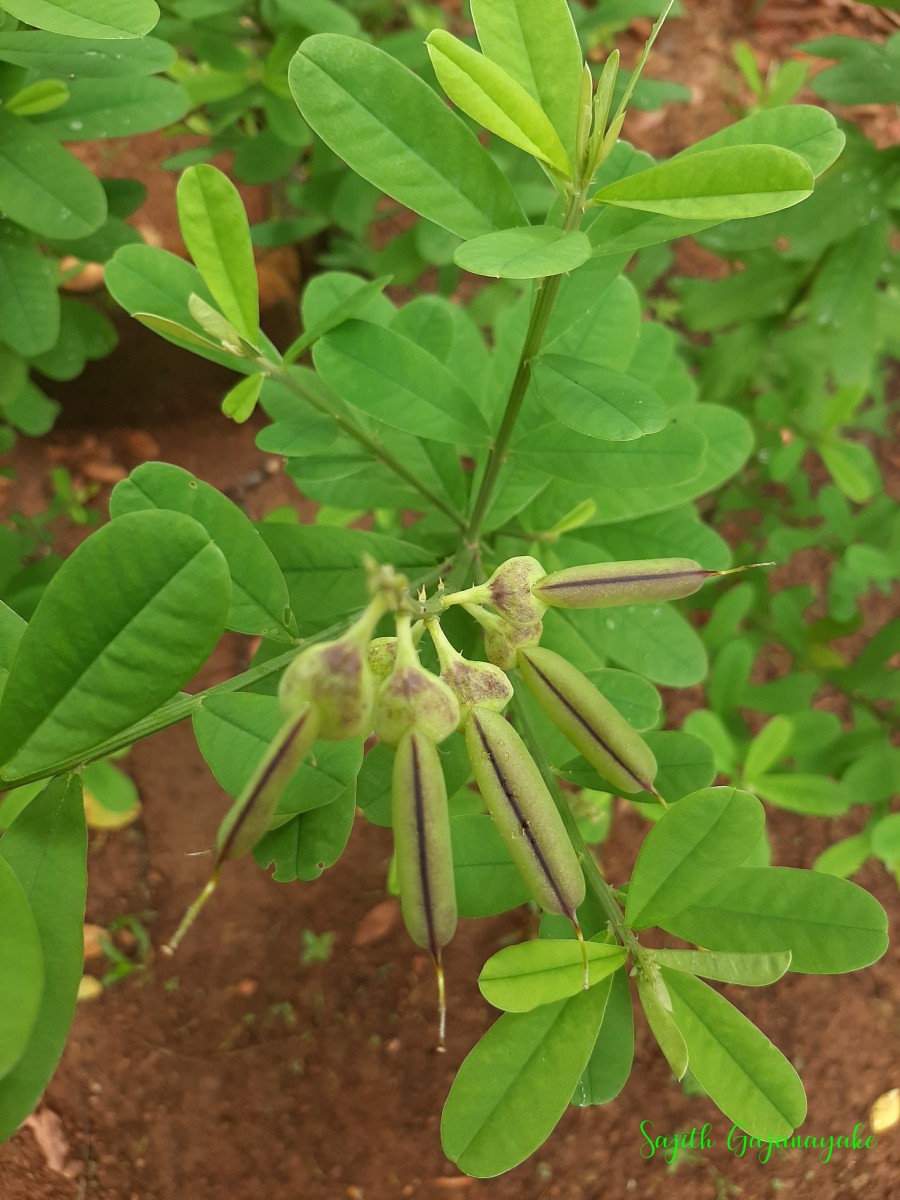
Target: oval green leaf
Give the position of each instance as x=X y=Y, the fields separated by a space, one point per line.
x=610 y=1063
x=103 y=19
x=749 y=970
x=676 y=454
x=692 y=846
x=56 y=54
x=391 y=378
x=29 y=299
x=829 y=924
x=216 y=231
x=492 y=98
x=259 y=597
x=392 y=129
x=519 y=978
x=42 y=186
x=516 y=1083
x=716 y=185
x=104 y=108
x=21 y=970
x=657 y=1005
x=310 y=842
x=532 y=252
x=744 y=1073
x=46 y=847
x=487 y=880
x=596 y=401
x=127 y=620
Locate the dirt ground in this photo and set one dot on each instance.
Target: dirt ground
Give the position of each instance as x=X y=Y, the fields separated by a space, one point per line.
x=240 y=1070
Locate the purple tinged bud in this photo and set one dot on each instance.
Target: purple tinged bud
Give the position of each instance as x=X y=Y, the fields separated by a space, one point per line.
x=475 y=684
x=412 y=697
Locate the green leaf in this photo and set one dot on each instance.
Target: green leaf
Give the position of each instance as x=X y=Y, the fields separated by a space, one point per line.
x=742 y=1071
x=87 y=18
x=850 y=466
x=324 y=567
x=828 y=924
x=104 y=108
x=310 y=842
x=29 y=300
x=717 y=185
x=655 y=641
x=235 y=729
x=885 y=839
x=515 y=1084
x=846 y=857
x=804 y=129
x=41 y=97
x=675 y=454
x=395 y=381
x=259 y=594
x=46 y=848
x=347 y=306
x=596 y=401
x=43 y=187
x=768 y=747
x=609 y=1066
x=693 y=845
x=56 y=54
x=239 y=403
x=393 y=130
x=812 y=794
x=537 y=45
x=214 y=225
x=532 y=252
x=522 y=977
x=21 y=970
x=487 y=880
x=684 y=765
x=494 y=99
x=750 y=970
x=636 y=699
x=657 y=1006
x=126 y=621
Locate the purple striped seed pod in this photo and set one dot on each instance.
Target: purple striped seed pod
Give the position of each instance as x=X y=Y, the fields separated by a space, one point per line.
x=251 y=814
x=421 y=823
x=607 y=585
x=594 y=726
x=523 y=810
x=502 y=639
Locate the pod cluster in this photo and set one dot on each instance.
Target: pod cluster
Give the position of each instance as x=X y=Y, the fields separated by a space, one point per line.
x=358 y=684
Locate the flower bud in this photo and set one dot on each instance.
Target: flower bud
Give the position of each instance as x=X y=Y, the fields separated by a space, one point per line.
x=607 y=585
x=421 y=823
x=524 y=812
x=509 y=590
x=475 y=684
x=588 y=720
x=502 y=639
x=337 y=679
x=413 y=697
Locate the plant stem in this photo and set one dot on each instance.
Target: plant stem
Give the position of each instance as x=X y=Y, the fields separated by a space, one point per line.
x=592 y=874
x=283 y=376
x=545 y=297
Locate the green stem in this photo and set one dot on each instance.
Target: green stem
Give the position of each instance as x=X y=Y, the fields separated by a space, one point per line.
x=186 y=705
x=283 y=376
x=547 y=291
x=592 y=874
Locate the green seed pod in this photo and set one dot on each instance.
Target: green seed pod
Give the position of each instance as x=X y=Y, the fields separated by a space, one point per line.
x=524 y=812
x=606 y=585
x=337 y=678
x=509 y=590
x=421 y=824
x=412 y=696
x=475 y=684
x=251 y=814
x=588 y=720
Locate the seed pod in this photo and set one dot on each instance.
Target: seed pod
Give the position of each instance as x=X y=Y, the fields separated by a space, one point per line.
x=337 y=678
x=251 y=814
x=606 y=585
x=524 y=812
x=509 y=590
x=588 y=720
x=421 y=824
x=502 y=639
x=412 y=696
x=475 y=684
